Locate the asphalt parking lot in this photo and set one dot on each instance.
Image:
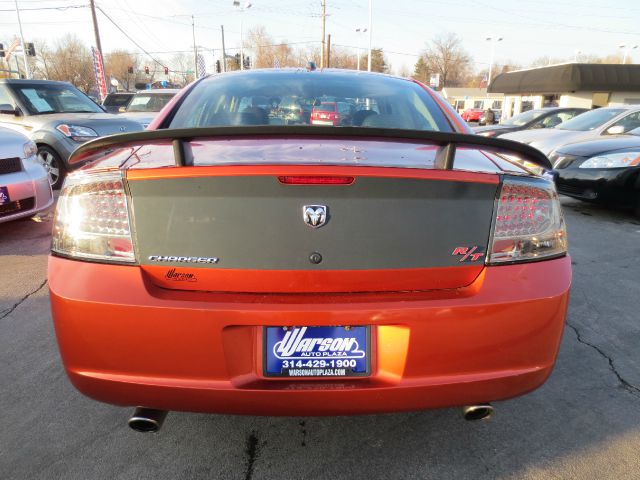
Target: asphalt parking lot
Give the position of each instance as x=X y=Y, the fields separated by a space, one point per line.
x=584 y=423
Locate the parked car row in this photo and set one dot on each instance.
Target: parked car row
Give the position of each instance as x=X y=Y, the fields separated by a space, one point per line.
x=595 y=153
x=58 y=117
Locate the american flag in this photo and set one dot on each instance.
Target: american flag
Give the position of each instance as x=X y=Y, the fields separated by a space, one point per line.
x=202 y=67
x=98 y=70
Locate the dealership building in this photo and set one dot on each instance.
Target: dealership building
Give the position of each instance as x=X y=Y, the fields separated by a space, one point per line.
x=464 y=98
x=584 y=85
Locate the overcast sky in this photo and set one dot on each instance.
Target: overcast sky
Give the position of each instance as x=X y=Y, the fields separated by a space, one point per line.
x=530 y=29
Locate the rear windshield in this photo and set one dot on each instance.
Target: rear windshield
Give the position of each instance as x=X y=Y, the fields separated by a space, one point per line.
x=590 y=120
x=376 y=101
x=325 y=107
x=45 y=98
x=115 y=100
x=149 y=102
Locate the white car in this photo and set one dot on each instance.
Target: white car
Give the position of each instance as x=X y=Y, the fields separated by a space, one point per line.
x=24 y=182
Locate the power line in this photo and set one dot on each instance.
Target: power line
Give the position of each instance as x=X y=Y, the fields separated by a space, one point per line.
x=127 y=35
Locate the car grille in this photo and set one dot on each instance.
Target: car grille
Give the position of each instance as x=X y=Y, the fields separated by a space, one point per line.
x=10 y=165
x=17 y=206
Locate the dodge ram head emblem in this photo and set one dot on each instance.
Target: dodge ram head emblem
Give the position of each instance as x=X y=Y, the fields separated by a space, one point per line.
x=314 y=215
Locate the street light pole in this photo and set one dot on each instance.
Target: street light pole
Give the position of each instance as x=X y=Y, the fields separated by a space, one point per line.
x=493 y=51
x=626 y=51
x=195 y=48
x=27 y=72
x=236 y=3
x=370 y=26
x=359 y=31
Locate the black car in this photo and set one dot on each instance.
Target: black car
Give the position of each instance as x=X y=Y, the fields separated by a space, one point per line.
x=539 y=118
x=606 y=171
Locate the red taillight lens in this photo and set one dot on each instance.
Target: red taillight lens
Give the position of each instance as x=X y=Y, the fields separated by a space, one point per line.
x=315 y=180
x=92 y=218
x=528 y=224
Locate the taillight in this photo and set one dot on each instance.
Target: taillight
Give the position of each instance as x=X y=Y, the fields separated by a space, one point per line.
x=528 y=223
x=92 y=219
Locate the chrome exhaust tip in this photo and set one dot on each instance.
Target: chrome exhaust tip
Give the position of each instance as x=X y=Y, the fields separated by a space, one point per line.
x=147 y=420
x=477 y=412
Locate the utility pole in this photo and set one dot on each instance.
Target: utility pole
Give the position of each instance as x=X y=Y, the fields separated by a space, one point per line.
x=27 y=72
x=195 y=49
x=224 y=52
x=370 y=25
x=329 y=51
x=324 y=18
x=92 y=4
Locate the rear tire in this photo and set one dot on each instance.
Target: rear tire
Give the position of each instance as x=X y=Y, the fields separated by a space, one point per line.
x=53 y=164
x=636 y=207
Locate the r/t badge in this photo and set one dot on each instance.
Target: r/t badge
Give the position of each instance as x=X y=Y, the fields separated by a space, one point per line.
x=469 y=254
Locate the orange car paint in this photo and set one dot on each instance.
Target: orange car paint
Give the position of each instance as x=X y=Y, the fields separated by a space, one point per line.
x=126 y=341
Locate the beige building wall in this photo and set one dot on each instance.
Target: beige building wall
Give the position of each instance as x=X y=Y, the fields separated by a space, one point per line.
x=577 y=99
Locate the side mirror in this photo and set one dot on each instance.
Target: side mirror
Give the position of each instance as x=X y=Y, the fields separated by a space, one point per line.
x=615 y=130
x=7 y=109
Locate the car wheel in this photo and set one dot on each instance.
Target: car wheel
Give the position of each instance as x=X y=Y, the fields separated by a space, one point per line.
x=636 y=207
x=52 y=163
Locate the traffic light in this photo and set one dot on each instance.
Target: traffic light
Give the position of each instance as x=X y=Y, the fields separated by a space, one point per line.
x=1 y=50
x=218 y=69
x=146 y=69
x=130 y=69
x=31 y=49
x=166 y=70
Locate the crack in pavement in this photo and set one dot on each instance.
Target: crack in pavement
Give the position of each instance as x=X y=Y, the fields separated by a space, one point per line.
x=629 y=387
x=19 y=302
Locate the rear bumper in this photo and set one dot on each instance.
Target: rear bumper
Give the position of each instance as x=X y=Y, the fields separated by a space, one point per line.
x=127 y=342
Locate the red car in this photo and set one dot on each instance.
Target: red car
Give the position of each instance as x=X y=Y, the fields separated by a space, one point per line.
x=223 y=263
x=472 y=114
x=331 y=113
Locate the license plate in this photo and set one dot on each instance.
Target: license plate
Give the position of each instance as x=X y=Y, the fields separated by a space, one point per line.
x=4 y=195
x=316 y=351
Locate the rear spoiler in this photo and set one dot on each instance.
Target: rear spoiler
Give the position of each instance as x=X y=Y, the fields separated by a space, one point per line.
x=445 y=157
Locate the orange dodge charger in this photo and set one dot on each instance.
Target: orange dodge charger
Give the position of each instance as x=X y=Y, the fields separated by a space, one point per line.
x=234 y=259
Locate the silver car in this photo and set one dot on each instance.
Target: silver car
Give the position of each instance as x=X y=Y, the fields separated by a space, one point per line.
x=592 y=125
x=24 y=182
x=58 y=118
x=146 y=104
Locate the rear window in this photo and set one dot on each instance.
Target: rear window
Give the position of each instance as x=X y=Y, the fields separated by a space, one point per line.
x=377 y=101
x=149 y=102
x=115 y=100
x=325 y=107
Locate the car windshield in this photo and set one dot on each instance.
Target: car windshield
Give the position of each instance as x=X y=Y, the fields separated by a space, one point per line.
x=590 y=120
x=40 y=98
x=377 y=101
x=149 y=102
x=524 y=118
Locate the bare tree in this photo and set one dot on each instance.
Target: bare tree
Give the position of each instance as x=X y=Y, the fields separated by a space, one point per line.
x=446 y=56
x=117 y=64
x=182 y=66
x=266 y=52
x=70 y=61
